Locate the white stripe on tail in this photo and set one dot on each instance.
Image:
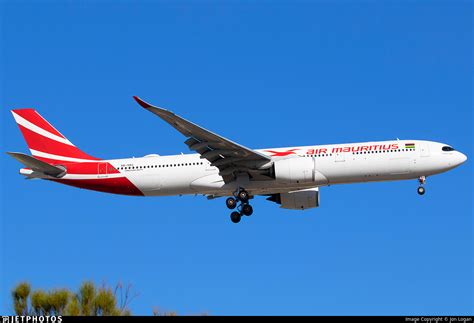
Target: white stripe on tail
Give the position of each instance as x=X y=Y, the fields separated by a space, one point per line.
x=45 y=142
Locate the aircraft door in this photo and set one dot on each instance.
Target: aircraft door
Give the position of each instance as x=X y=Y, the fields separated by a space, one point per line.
x=424 y=150
x=340 y=157
x=102 y=170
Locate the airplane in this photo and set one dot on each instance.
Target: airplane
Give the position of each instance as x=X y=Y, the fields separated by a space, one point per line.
x=290 y=176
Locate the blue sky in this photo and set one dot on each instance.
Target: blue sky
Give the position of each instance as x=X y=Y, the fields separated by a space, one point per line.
x=264 y=74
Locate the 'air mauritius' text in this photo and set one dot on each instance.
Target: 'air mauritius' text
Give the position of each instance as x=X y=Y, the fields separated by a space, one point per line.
x=349 y=149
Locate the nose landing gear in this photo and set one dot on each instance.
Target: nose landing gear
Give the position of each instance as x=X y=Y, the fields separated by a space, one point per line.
x=421 y=189
x=244 y=208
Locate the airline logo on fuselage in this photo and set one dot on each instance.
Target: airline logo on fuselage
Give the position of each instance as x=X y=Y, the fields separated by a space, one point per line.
x=349 y=149
x=282 y=153
x=335 y=150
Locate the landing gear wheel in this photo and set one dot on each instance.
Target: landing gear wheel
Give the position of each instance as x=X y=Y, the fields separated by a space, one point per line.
x=231 y=203
x=235 y=217
x=243 y=196
x=422 y=180
x=421 y=190
x=247 y=209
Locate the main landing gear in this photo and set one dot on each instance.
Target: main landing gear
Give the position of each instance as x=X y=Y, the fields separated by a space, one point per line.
x=244 y=208
x=421 y=189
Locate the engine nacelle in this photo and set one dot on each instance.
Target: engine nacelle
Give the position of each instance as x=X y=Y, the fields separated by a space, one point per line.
x=294 y=170
x=298 y=200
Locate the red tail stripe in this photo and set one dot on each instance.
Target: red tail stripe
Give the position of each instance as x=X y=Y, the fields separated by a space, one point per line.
x=38 y=142
x=54 y=161
x=35 y=118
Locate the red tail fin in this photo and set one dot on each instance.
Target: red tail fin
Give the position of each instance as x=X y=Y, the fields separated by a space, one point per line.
x=45 y=142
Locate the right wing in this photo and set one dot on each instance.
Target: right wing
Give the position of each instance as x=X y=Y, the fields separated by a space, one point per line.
x=229 y=157
x=38 y=165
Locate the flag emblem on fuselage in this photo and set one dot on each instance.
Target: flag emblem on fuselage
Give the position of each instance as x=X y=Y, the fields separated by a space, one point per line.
x=410 y=146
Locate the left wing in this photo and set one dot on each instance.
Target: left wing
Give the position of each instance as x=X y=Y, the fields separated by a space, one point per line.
x=229 y=157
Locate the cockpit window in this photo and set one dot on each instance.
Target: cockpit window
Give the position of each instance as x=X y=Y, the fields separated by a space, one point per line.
x=447 y=148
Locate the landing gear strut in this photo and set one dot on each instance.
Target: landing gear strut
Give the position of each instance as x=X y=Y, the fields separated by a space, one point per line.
x=242 y=197
x=421 y=189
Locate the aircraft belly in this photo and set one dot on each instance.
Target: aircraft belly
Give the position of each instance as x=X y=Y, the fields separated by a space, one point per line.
x=171 y=183
x=366 y=170
x=147 y=182
x=208 y=182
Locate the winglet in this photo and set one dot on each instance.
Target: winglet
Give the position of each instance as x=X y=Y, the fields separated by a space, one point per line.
x=142 y=103
x=157 y=110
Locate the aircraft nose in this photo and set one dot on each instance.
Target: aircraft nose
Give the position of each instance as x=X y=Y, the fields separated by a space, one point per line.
x=462 y=158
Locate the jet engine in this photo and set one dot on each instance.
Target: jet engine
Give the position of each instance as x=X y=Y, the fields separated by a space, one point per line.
x=294 y=170
x=297 y=200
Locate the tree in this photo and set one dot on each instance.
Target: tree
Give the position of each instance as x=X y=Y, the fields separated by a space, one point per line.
x=158 y=312
x=20 y=298
x=88 y=301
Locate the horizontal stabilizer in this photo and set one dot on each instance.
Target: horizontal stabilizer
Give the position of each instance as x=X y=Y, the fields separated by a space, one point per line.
x=38 y=165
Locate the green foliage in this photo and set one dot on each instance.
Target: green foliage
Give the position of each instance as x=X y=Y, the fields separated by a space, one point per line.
x=88 y=301
x=58 y=300
x=40 y=302
x=158 y=312
x=105 y=303
x=73 y=308
x=86 y=298
x=20 y=298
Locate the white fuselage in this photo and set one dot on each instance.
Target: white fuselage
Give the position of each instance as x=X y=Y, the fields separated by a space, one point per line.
x=333 y=164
